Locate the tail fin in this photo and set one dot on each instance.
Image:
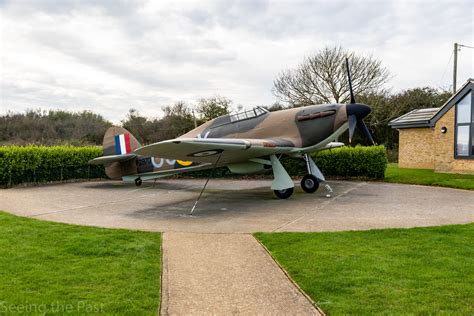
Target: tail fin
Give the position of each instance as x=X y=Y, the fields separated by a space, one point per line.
x=119 y=141
x=118 y=156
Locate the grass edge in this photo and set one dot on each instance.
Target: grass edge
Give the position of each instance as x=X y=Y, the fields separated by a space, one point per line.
x=313 y=303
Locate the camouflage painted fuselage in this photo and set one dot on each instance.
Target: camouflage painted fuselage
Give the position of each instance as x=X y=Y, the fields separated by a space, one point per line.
x=296 y=127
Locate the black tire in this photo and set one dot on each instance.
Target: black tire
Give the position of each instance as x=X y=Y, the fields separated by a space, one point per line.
x=138 y=182
x=309 y=183
x=283 y=194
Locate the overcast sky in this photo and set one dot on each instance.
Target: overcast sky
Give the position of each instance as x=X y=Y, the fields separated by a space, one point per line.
x=109 y=56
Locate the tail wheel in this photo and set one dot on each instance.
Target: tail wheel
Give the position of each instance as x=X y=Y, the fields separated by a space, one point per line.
x=309 y=183
x=138 y=182
x=283 y=194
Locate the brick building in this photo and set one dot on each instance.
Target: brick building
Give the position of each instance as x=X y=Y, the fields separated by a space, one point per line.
x=439 y=138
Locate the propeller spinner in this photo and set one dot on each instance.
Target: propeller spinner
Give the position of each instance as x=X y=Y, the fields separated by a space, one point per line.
x=356 y=112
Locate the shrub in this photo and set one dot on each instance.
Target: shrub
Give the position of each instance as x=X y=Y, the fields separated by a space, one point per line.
x=349 y=162
x=343 y=162
x=22 y=164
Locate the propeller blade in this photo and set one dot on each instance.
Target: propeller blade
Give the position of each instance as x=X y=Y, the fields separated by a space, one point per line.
x=350 y=81
x=352 y=126
x=363 y=128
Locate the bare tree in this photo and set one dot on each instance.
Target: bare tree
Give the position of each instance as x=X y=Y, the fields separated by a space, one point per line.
x=322 y=78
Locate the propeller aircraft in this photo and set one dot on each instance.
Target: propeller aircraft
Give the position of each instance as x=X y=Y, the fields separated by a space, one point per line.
x=248 y=141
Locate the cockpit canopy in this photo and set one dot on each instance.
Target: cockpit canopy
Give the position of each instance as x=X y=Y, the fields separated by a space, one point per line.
x=247 y=114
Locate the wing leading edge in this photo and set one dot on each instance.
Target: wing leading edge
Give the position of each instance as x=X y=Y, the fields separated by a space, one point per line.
x=206 y=150
x=164 y=173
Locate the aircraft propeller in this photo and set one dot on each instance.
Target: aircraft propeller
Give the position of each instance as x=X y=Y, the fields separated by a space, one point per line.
x=356 y=112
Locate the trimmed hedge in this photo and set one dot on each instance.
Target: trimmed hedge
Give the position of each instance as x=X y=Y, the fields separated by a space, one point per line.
x=58 y=163
x=23 y=164
x=344 y=162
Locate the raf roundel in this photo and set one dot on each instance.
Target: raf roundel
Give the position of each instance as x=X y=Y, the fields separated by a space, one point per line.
x=206 y=153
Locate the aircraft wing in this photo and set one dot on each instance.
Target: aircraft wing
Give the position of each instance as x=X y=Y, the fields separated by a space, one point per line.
x=165 y=173
x=207 y=150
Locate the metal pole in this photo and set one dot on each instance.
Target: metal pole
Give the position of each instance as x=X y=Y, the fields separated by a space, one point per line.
x=205 y=184
x=455 y=66
x=308 y=165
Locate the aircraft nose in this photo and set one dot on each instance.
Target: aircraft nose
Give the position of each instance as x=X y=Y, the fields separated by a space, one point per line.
x=359 y=110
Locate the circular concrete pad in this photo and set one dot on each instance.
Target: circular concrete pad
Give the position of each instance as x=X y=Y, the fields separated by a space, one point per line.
x=240 y=206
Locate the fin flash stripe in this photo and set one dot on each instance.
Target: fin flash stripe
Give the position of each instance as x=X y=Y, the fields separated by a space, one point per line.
x=122 y=144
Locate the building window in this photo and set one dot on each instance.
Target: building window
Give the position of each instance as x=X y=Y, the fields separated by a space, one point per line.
x=465 y=127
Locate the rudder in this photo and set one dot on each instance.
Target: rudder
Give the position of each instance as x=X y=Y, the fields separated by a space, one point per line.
x=119 y=141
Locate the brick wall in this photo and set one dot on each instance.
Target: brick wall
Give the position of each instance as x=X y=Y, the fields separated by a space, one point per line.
x=426 y=148
x=444 y=147
x=416 y=148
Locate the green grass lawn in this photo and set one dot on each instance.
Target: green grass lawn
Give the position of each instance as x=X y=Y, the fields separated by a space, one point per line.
x=428 y=177
x=390 y=271
x=58 y=268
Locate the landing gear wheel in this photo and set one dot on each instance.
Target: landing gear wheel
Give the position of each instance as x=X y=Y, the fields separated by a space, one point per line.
x=138 y=182
x=283 y=194
x=309 y=183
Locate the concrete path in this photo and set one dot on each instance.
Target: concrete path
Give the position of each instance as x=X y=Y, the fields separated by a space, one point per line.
x=224 y=274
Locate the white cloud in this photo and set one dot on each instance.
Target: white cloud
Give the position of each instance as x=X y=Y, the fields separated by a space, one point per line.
x=109 y=56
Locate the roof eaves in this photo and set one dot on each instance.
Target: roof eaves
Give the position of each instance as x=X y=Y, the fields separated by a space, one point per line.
x=400 y=117
x=417 y=116
x=469 y=85
x=410 y=125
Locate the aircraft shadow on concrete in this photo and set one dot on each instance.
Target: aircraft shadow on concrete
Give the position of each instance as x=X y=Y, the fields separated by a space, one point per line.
x=107 y=185
x=224 y=203
x=215 y=202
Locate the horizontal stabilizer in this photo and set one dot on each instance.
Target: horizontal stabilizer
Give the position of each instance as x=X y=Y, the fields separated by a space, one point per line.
x=112 y=158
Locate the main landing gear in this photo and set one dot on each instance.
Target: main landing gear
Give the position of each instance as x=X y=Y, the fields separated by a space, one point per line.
x=310 y=182
x=283 y=186
x=284 y=194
